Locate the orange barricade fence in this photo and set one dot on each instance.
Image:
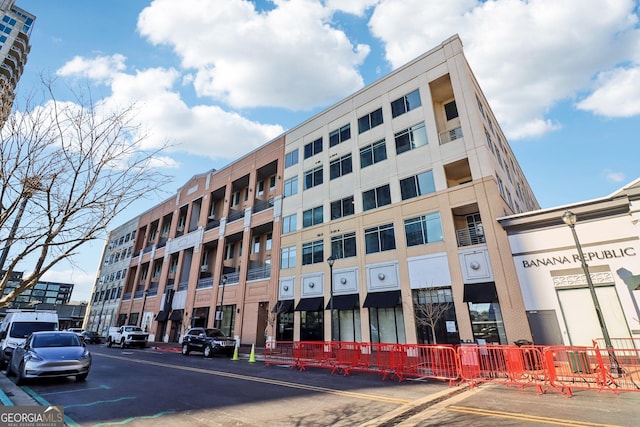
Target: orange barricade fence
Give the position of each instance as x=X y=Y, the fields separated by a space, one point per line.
x=525 y=366
x=386 y=359
x=316 y=354
x=621 y=368
x=573 y=367
x=431 y=361
x=620 y=343
x=282 y=353
x=349 y=357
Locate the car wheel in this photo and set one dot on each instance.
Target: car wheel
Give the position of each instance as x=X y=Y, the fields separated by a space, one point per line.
x=122 y=343
x=208 y=351
x=185 y=349
x=109 y=342
x=82 y=377
x=20 y=375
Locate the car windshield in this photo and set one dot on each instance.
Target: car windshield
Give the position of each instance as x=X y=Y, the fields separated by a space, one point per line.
x=132 y=329
x=24 y=329
x=215 y=333
x=55 y=340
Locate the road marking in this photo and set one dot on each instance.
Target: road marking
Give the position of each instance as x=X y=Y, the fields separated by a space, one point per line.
x=102 y=387
x=267 y=381
x=100 y=401
x=67 y=421
x=525 y=417
x=129 y=420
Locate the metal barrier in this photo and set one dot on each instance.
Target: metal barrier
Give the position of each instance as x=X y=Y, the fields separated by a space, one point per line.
x=619 y=343
x=317 y=354
x=282 y=353
x=439 y=362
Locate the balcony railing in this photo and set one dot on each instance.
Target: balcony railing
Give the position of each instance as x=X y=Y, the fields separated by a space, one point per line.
x=258 y=273
x=126 y=296
x=261 y=205
x=450 y=135
x=205 y=283
x=162 y=242
x=139 y=294
x=183 y=285
x=148 y=249
x=233 y=278
x=214 y=223
x=235 y=215
x=470 y=236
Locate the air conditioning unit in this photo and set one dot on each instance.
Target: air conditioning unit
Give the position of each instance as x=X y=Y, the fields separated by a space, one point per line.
x=180 y=228
x=204 y=268
x=211 y=216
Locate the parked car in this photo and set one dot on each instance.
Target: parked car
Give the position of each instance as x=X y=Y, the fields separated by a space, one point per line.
x=50 y=354
x=19 y=324
x=209 y=341
x=91 y=337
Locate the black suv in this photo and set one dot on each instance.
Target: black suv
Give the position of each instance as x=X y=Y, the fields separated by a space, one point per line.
x=210 y=341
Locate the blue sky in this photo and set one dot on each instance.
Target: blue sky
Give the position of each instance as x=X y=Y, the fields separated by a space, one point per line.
x=217 y=78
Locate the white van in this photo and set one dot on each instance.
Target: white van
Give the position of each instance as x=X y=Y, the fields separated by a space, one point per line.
x=19 y=324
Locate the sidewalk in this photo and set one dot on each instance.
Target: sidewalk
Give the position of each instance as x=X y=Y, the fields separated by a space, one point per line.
x=244 y=351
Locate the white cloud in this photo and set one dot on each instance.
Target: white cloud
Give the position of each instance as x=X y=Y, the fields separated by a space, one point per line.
x=527 y=56
x=354 y=7
x=100 y=68
x=617 y=94
x=288 y=57
x=613 y=176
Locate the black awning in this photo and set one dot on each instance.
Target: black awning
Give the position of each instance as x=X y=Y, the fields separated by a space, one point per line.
x=383 y=299
x=310 y=304
x=344 y=302
x=176 y=315
x=162 y=316
x=283 y=307
x=480 y=292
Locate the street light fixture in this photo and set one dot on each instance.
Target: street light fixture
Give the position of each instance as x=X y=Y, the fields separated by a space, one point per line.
x=330 y=261
x=219 y=316
x=570 y=219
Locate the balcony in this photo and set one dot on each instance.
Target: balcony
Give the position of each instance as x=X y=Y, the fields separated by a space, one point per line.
x=205 y=283
x=257 y=273
x=470 y=236
x=233 y=278
x=162 y=242
x=183 y=285
x=127 y=296
x=214 y=223
x=450 y=135
x=234 y=215
x=262 y=205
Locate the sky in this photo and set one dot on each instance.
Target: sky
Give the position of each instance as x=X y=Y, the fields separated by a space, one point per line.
x=218 y=78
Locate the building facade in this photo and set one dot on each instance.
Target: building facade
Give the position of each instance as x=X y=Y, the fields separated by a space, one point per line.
x=107 y=291
x=44 y=292
x=399 y=185
x=557 y=298
x=15 y=30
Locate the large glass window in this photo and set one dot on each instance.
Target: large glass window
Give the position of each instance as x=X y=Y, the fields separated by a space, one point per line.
x=312 y=325
x=417 y=185
x=406 y=103
x=312 y=252
x=340 y=135
x=344 y=246
x=289 y=223
x=423 y=229
x=373 y=153
x=450 y=110
x=347 y=325
x=341 y=166
x=435 y=316
x=411 y=138
x=291 y=186
x=378 y=239
x=291 y=158
x=313 y=177
x=312 y=217
x=288 y=257
x=341 y=208
x=486 y=323
x=370 y=120
x=376 y=197
x=387 y=325
x=313 y=148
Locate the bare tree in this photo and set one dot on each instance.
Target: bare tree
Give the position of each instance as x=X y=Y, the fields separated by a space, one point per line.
x=272 y=319
x=66 y=170
x=429 y=311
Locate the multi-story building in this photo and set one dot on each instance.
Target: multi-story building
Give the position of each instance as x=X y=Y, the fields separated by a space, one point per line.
x=203 y=257
x=400 y=184
x=44 y=292
x=15 y=30
x=107 y=291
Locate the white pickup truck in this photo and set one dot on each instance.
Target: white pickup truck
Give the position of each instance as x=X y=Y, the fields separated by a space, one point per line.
x=127 y=336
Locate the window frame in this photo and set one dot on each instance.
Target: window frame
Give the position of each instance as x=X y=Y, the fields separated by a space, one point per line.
x=340 y=165
x=373 y=151
x=315 y=216
x=371 y=120
x=403 y=104
x=377 y=197
x=313 y=177
x=315 y=256
x=380 y=241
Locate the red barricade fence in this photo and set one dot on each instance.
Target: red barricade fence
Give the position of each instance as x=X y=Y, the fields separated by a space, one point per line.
x=561 y=368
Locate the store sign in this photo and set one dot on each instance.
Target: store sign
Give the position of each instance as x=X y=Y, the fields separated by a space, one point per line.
x=603 y=255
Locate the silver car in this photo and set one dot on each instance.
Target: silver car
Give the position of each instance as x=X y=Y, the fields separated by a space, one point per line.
x=50 y=354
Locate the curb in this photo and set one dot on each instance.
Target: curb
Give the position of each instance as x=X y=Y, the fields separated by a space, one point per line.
x=13 y=395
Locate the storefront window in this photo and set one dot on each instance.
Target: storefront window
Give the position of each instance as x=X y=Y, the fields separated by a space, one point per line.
x=387 y=325
x=486 y=322
x=285 y=327
x=311 y=326
x=347 y=325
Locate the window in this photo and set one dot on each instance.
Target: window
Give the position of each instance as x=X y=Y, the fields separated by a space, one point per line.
x=312 y=217
x=406 y=103
x=269 y=241
x=313 y=177
x=480 y=106
x=450 y=110
x=387 y=325
x=370 y=120
x=291 y=186
x=489 y=143
x=260 y=188
x=340 y=135
x=256 y=245
x=423 y=229
x=313 y=148
x=291 y=158
x=376 y=198
x=417 y=185
x=288 y=257
x=344 y=246
x=312 y=252
x=341 y=166
x=411 y=138
x=235 y=198
x=341 y=208
x=378 y=239
x=373 y=153
x=289 y=223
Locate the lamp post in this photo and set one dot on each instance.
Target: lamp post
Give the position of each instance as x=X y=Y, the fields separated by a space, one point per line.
x=570 y=219
x=330 y=261
x=223 y=282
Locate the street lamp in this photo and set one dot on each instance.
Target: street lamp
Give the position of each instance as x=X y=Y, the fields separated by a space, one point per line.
x=570 y=219
x=219 y=316
x=330 y=261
